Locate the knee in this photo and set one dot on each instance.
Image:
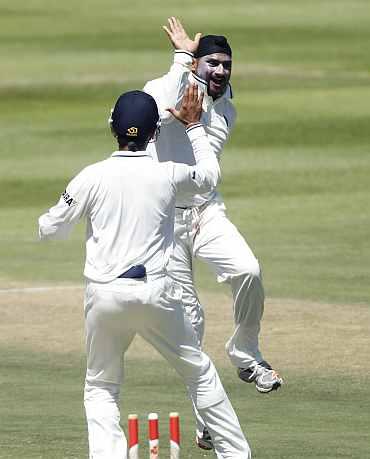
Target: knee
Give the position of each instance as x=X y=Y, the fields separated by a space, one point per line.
x=100 y=392
x=205 y=386
x=250 y=279
x=251 y=268
x=197 y=369
x=255 y=269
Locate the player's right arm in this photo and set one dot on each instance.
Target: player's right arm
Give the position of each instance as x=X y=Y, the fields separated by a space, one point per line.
x=169 y=89
x=59 y=220
x=205 y=175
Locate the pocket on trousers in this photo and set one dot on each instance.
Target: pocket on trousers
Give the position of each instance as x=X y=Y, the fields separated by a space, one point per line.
x=172 y=291
x=88 y=298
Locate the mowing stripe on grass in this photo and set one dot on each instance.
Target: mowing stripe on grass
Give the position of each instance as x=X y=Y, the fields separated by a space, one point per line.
x=40 y=289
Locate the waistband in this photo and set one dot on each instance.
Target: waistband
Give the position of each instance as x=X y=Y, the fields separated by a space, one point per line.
x=199 y=208
x=119 y=281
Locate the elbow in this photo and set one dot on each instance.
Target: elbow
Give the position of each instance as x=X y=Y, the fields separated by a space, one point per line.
x=211 y=177
x=46 y=234
x=45 y=229
x=53 y=232
x=53 y=236
x=166 y=117
x=42 y=235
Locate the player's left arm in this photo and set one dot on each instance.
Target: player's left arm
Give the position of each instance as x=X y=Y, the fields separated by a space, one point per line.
x=178 y=36
x=59 y=220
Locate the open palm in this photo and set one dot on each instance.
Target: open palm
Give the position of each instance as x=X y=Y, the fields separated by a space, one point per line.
x=178 y=36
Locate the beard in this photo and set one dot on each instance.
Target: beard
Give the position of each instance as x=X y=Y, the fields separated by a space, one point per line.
x=216 y=88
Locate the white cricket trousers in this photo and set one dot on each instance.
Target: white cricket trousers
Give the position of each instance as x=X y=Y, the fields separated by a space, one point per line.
x=114 y=313
x=207 y=234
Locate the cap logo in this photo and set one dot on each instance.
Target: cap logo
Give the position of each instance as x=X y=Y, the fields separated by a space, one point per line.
x=132 y=132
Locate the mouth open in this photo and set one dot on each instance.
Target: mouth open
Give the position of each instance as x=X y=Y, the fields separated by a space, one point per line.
x=218 y=83
x=217 y=86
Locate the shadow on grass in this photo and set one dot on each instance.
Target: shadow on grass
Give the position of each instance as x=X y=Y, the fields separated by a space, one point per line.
x=312 y=416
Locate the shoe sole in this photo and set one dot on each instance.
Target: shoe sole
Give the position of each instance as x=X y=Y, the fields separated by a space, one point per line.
x=264 y=390
x=203 y=445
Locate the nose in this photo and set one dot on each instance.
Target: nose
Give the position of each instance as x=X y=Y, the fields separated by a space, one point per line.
x=220 y=70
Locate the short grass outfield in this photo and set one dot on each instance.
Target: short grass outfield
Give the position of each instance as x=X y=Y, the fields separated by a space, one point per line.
x=295 y=181
x=322 y=410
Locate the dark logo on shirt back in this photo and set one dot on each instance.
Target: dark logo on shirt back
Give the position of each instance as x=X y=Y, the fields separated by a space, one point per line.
x=68 y=199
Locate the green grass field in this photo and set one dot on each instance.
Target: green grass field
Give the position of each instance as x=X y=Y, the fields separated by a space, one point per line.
x=295 y=181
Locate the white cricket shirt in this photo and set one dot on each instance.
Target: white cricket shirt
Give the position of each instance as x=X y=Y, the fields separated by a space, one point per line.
x=218 y=117
x=129 y=202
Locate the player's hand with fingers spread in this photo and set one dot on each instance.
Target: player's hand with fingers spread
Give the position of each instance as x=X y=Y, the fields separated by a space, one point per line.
x=191 y=106
x=178 y=36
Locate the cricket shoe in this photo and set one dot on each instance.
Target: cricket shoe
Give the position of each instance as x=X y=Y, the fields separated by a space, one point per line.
x=265 y=378
x=204 y=440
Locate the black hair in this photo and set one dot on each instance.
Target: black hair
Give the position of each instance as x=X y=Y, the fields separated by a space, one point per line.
x=131 y=145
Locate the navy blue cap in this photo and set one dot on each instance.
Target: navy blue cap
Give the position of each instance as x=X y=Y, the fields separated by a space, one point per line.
x=134 y=117
x=211 y=44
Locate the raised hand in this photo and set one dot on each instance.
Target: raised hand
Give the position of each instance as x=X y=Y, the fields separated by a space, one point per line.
x=191 y=106
x=178 y=36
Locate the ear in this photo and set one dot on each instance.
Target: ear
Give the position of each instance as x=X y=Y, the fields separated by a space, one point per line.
x=113 y=131
x=194 y=65
x=151 y=138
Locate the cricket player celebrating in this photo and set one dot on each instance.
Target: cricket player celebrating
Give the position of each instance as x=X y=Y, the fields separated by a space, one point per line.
x=202 y=229
x=129 y=203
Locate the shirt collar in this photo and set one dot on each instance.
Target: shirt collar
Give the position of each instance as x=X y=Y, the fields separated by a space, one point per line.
x=202 y=84
x=129 y=154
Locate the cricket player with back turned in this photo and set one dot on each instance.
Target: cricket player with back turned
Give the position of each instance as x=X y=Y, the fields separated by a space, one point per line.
x=202 y=229
x=129 y=203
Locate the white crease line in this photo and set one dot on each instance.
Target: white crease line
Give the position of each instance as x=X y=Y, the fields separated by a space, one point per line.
x=40 y=289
